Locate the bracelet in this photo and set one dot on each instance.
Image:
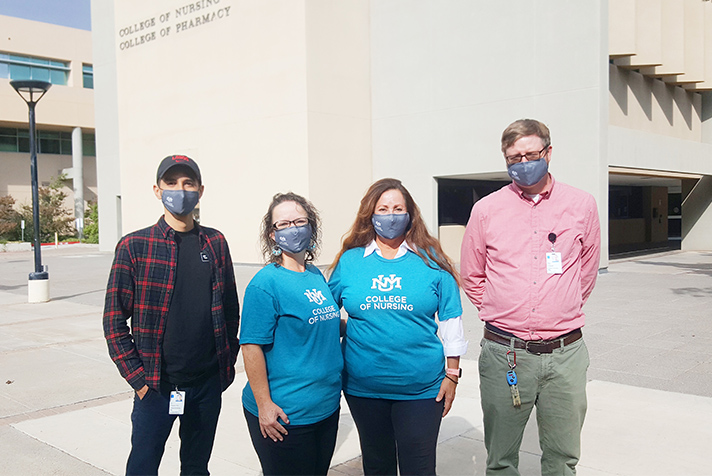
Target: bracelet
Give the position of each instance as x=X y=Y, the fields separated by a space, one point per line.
x=455 y=372
x=453 y=381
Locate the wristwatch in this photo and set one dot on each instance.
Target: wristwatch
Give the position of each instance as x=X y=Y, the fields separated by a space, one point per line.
x=454 y=372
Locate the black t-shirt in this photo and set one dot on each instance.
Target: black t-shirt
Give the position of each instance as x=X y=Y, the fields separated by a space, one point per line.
x=189 y=354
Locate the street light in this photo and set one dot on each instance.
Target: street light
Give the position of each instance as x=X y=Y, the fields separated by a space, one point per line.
x=31 y=91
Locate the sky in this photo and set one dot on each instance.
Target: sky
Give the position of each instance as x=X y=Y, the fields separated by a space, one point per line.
x=71 y=13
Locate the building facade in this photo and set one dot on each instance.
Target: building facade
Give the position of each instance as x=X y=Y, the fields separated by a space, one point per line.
x=322 y=98
x=64 y=117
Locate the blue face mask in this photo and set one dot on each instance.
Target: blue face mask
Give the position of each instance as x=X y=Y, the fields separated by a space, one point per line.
x=180 y=202
x=390 y=226
x=294 y=239
x=528 y=173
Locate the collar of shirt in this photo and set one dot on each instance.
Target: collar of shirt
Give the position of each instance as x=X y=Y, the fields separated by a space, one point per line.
x=543 y=195
x=373 y=246
x=169 y=233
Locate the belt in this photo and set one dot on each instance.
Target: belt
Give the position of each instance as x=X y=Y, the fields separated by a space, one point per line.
x=536 y=347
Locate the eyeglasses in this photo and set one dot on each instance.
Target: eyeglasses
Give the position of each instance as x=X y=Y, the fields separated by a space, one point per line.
x=282 y=224
x=515 y=159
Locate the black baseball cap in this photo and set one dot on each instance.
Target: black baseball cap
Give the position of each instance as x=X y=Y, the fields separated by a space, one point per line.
x=172 y=160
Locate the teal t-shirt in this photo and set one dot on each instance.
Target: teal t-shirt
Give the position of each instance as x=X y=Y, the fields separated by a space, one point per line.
x=295 y=319
x=391 y=348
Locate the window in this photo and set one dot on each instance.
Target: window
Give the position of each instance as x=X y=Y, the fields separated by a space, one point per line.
x=48 y=142
x=89 y=145
x=88 y=75
x=30 y=67
x=8 y=140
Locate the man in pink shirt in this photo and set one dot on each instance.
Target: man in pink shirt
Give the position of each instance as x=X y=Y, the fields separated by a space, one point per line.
x=529 y=262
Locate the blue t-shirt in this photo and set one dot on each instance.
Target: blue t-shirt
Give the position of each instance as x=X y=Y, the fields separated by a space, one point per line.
x=391 y=348
x=295 y=319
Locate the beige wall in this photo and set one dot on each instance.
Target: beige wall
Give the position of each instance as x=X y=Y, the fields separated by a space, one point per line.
x=697 y=216
x=648 y=104
x=324 y=97
x=447 y=80
x=63 y=106
x=16 y=176
x=62 y=109
x=666 y=39
x=267 y=97
x=339 y=117
x=660 y=108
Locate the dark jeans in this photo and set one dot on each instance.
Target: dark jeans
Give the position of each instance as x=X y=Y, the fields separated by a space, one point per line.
x=397 y=433
x=152 y=424
x=306 y=450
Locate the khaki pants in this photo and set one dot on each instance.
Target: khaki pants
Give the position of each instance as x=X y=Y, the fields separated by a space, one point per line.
x=556 y=384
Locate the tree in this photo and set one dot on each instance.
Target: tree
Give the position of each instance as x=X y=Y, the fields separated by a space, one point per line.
x=91 y=223
x=9 y=219
x=54 y=217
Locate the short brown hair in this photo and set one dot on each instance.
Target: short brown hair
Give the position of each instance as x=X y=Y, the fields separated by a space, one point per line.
x=524 y=128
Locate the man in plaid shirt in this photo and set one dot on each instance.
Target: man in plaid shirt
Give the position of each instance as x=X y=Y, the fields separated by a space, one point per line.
x=176 y=283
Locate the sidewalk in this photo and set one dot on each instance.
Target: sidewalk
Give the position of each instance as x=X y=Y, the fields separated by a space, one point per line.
x=64 y=409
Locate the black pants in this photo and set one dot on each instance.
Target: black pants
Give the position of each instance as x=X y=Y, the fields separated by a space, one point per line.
x=306 y=450
x=397 y=433
x=151 y=426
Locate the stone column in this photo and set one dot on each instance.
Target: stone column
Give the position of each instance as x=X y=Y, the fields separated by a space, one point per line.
x=78 y=179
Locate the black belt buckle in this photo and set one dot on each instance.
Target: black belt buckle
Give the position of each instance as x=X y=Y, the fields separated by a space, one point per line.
x=536 y=347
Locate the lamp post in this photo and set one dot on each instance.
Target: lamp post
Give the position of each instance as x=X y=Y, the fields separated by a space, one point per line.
x=31 y=91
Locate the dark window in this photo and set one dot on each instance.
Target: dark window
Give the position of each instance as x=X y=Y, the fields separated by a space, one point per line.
x=88 y=76
x=456 y=198
x=48 y=142
x=625 y=202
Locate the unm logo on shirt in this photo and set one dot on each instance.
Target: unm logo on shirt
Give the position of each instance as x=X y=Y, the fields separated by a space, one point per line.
x=384 y=283
x=315 y=296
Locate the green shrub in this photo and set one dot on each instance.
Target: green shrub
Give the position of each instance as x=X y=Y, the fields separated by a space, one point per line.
x=9 y=219
x=54 y=217
x=91 y=223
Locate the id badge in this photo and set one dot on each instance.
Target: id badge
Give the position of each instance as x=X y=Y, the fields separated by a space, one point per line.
x=177 y=403
x=553 y=262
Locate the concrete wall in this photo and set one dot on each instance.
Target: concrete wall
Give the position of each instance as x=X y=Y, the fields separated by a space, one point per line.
x=107 y=124
x=324 y=97
x=697 y=217
x=651 y=105
x=339 y=113
x=448 y=77
x=231 y=93
x=266 y=96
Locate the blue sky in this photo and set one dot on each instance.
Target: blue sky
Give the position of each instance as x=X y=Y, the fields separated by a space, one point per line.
x=71 y=13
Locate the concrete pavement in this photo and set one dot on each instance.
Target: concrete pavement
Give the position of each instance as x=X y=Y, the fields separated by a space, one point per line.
x=64 y=409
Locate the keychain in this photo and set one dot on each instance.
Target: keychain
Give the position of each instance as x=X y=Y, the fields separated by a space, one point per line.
x=512 y=379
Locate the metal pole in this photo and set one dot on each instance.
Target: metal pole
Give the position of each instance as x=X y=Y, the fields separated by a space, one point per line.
x=39 y=271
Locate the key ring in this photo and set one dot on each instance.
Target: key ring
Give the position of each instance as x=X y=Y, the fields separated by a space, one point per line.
x=512 y=362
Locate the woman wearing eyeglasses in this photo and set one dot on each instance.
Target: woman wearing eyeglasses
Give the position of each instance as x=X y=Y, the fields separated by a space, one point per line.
x=290 y=346
x=393 y=279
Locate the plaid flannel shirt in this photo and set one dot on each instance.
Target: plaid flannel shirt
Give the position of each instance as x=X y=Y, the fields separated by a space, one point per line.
x=140 y=287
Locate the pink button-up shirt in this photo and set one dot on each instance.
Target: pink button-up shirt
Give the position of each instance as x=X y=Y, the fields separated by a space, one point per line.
x=503 y=262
